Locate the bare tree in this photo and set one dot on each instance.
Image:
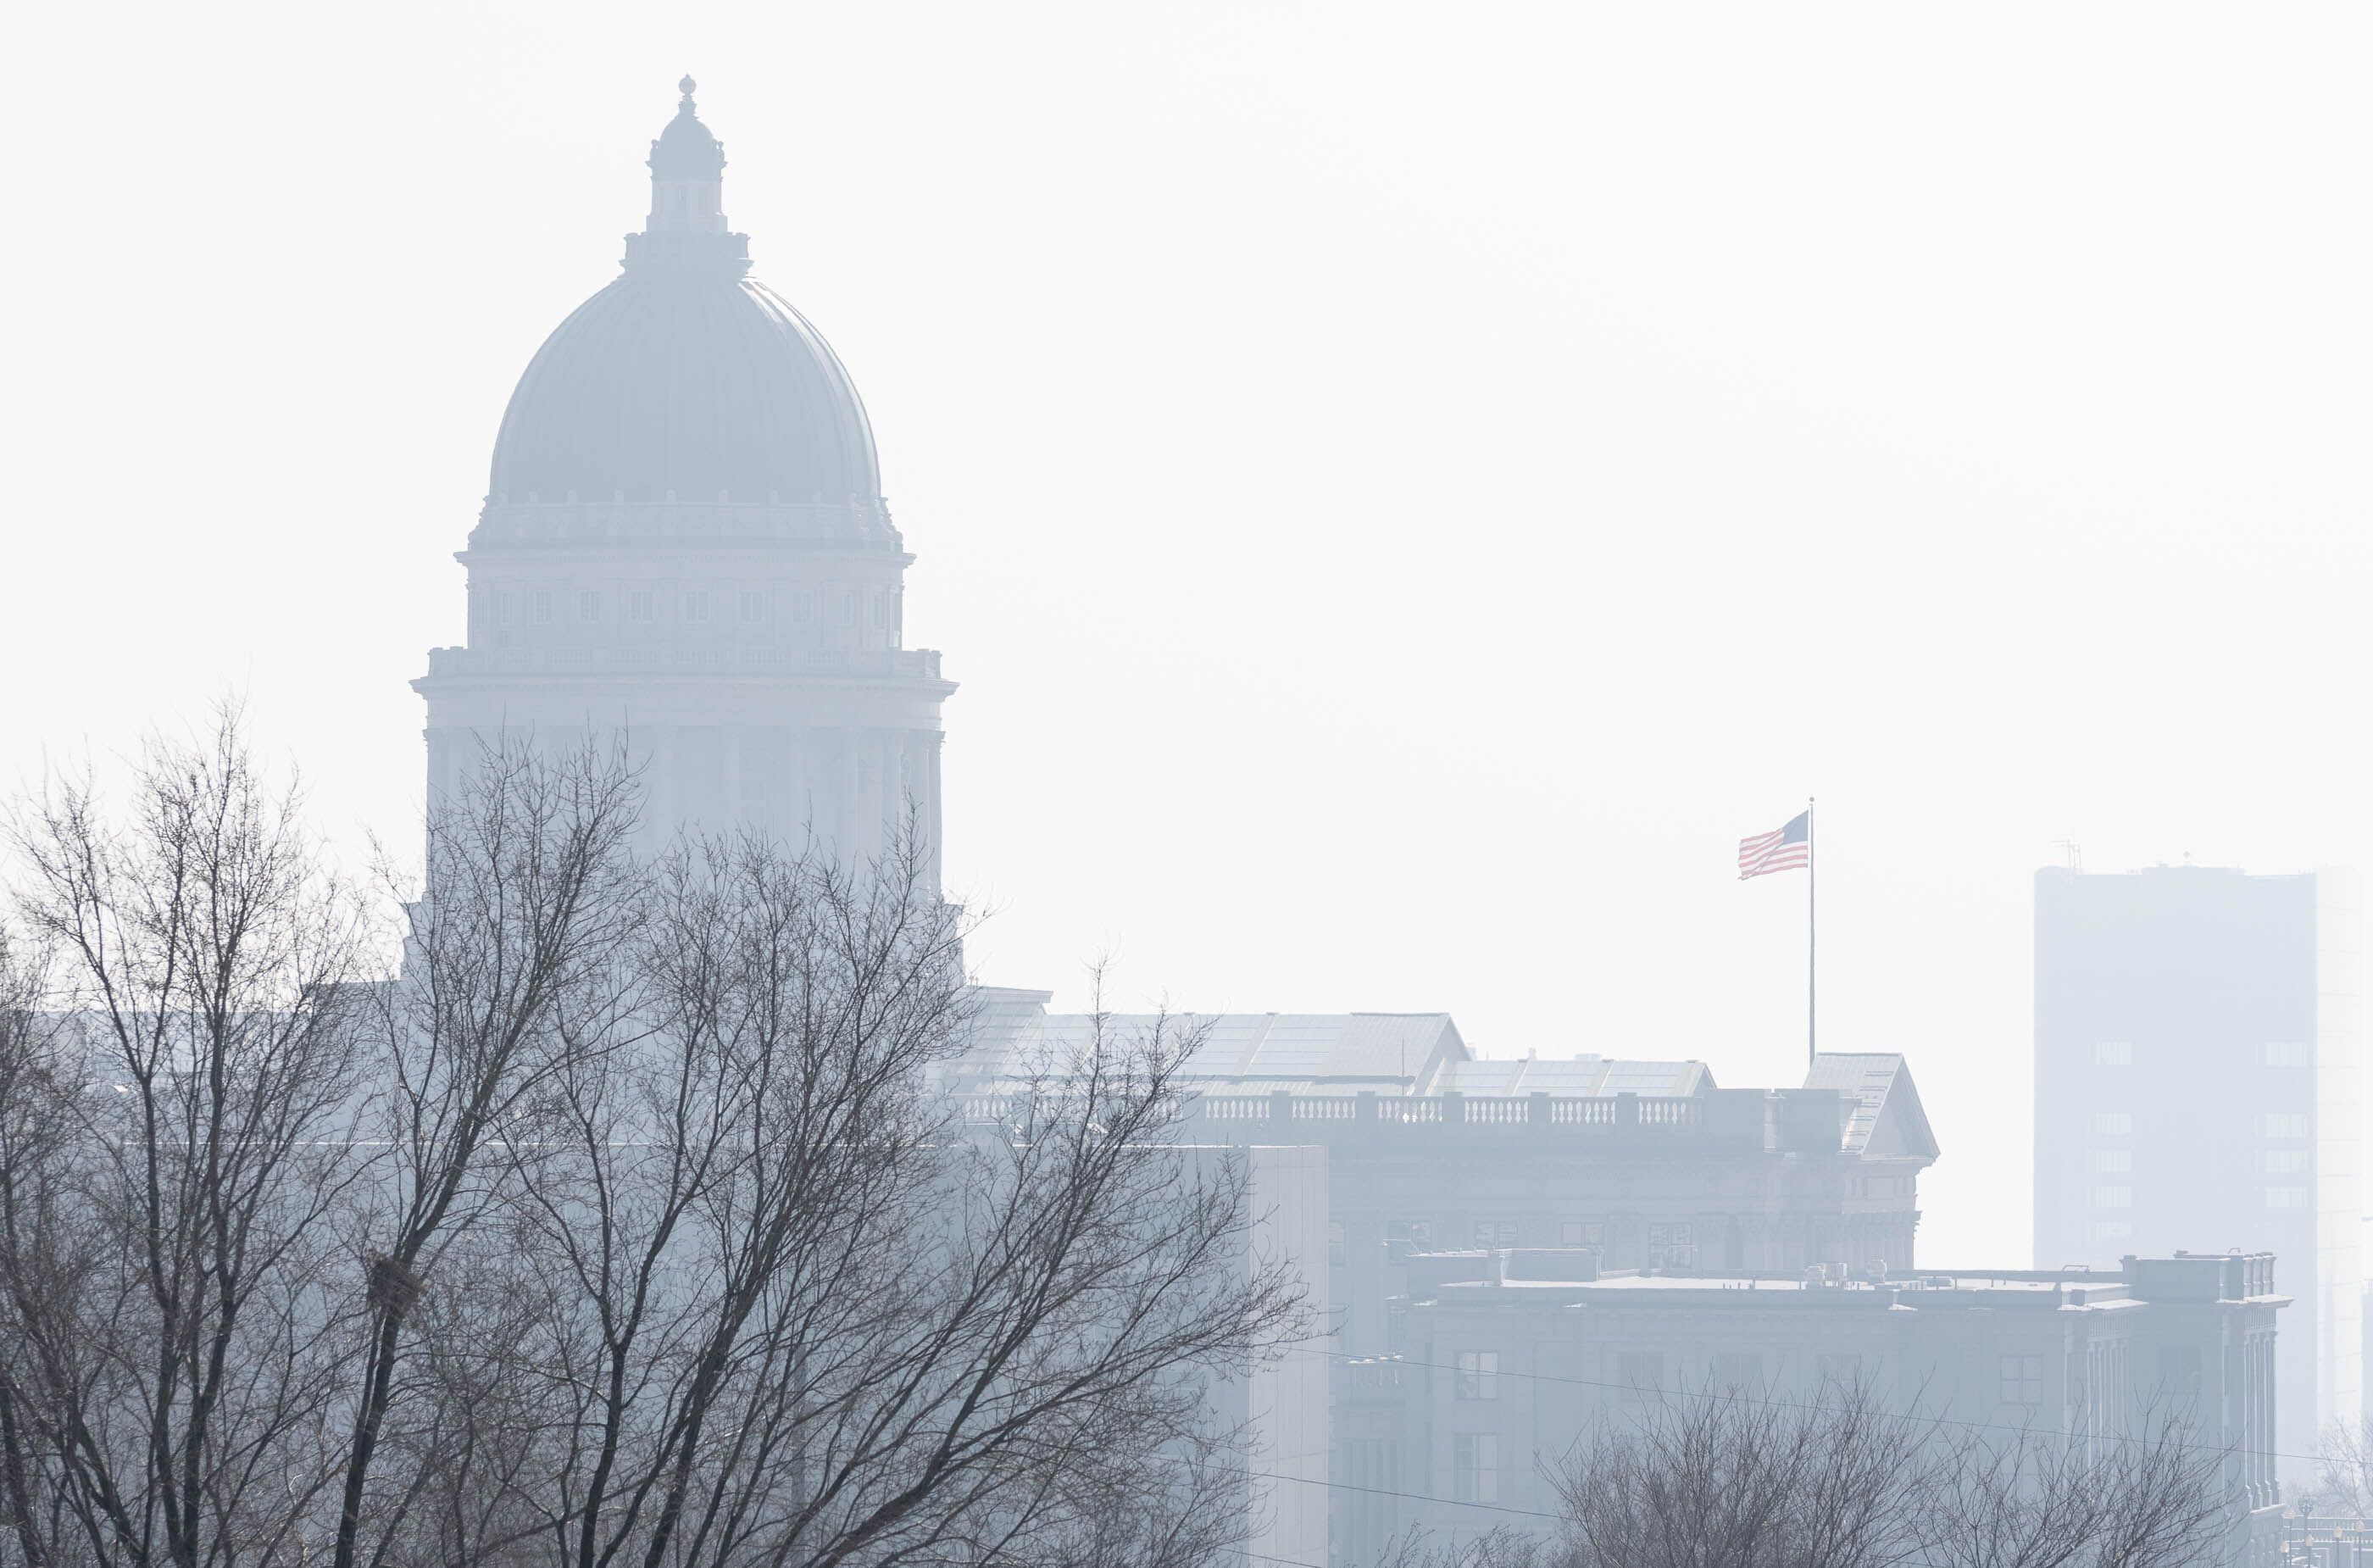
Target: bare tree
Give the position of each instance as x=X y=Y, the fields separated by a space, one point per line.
x=801 y=1313
x=627 y=1222
x=2149 y=1494
x=2343 y=1484
x=1845 y=1476
x=30 y=1133
x=173 y=1293
x=514 y=957
x=1717 y=1480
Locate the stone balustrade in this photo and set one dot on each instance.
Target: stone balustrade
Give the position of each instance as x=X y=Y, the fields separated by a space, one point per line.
x=1789 y=1119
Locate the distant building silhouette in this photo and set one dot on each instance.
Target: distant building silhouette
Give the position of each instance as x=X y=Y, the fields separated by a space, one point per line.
x=1648 y=1164
x=1372 y=1140
x=1503 y=1359
x=683 y=545
x=2196 y=1085
x=684 y=541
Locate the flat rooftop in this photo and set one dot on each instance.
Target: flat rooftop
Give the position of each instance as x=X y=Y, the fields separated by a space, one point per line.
x=1538 y=1277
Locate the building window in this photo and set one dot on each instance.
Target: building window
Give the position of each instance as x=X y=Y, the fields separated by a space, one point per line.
x=1839 y=1369
x=2179 y=1372
x=1582 y=1233
x=2282 y=1053
x=1475 y=1467
x=1640 y=1374
x=2283 y=1124
x=2113 y=1230
x=1479 y=1375
x=1671 y=1245
x=1740 y=1371
x=1495 y=1232
x=2113 y=1162
x=2113 y=1053
x=589 y=604
x=1405 y=1236
x=2113 y=1198
x=695 y=604
x=2286 y=1162
x=803 y=605
x=1338 y=1245
x=2113 y=1123
x=753 y=604
x=2286 y=1197
x=540 y=608
x=640 y=604
x=880 y=609
x=844 y=609
x=2022 y=1381
x=503 y=608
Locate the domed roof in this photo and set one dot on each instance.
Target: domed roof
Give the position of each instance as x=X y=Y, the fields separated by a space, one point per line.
x=687 y=388
x=684 y=380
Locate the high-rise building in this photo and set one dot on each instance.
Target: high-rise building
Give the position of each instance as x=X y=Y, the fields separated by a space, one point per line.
x=2196 y=1087
x=684 y=545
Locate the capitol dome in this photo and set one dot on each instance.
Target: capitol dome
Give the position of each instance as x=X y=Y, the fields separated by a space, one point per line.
x=685 y=380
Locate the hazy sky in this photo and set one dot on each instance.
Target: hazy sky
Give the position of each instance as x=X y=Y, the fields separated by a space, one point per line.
x=1404 y=488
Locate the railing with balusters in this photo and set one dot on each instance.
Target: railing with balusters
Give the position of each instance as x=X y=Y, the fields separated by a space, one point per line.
x=1587 y=1114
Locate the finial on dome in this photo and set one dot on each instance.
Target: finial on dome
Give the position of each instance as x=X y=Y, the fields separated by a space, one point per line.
x=686 y=86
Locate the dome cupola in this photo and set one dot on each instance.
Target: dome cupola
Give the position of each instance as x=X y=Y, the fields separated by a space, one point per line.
x=687 y=175
x=688 y=382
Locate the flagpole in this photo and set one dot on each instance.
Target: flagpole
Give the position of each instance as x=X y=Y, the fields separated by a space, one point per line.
x=1812 y=970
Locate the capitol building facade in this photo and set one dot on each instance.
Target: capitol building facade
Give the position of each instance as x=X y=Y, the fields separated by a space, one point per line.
x=684 y=551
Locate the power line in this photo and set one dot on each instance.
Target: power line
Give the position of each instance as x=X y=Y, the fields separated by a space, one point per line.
x=1386 y=1491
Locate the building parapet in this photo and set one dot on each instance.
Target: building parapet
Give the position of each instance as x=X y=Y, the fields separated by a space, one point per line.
x=873 y=663
x=1789 y=1120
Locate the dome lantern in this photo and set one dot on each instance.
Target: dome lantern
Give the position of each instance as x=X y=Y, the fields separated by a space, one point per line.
x=687 y=167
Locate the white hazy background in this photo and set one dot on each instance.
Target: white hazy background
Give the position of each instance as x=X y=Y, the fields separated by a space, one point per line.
x=1404 y=487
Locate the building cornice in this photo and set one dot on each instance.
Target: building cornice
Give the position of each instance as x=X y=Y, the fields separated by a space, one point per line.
x=853 y=525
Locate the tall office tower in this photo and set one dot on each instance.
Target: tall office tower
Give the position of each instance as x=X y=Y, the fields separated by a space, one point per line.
x=2195 y=1086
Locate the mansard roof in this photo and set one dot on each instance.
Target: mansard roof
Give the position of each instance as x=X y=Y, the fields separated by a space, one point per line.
x=1419 y=1054
x=1573 y=1075
x=1014 y=1036
x=1885 y=1118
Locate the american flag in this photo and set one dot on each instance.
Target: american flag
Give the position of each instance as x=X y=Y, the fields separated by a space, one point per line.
x=1783 y=849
